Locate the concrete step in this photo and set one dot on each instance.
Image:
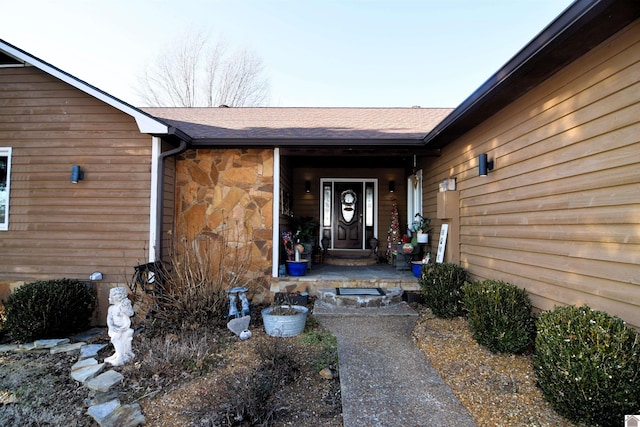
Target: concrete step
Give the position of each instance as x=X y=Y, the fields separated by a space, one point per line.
x=360 y=297
x=350 y=257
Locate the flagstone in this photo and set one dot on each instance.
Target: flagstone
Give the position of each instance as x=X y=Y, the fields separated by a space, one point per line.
x=103 y=410
x=83 y=363
x=8 y=347
x=50 y=343
x=91 y=350
x=104 y=381
x=65 y=348
x=87 y=372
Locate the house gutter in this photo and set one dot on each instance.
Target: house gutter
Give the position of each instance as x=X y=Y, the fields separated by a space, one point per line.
x=296 y=142
x=155 y=252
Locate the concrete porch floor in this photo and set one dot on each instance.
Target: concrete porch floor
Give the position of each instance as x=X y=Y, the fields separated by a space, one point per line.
x=335 y=276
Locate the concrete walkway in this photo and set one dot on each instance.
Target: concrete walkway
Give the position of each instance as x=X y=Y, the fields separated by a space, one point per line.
x=385 y=378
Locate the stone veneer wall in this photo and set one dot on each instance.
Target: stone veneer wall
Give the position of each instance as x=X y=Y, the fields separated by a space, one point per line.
x=232 y=185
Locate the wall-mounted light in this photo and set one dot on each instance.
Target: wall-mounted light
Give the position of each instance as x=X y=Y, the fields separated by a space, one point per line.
x=392 y=186
x=484 y=164
x=76 y=174
x=307 y=186
x=96 y=275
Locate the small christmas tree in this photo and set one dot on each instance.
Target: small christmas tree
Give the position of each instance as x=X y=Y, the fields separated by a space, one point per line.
x=393 y=235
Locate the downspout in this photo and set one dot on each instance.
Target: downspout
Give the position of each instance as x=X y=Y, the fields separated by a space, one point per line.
x=160 y=197
x=276 y=214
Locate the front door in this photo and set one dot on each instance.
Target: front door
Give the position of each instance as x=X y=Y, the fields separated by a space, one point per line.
x=348 y=215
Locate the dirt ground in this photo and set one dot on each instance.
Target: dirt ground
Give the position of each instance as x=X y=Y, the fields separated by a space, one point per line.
x=498 y=390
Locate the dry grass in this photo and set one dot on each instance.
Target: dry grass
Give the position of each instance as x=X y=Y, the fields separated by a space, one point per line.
x=193 y=378
x=261 y=381
x=497 y=389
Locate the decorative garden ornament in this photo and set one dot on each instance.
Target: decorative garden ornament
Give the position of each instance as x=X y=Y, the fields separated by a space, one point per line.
x=233 y=310
x=245 y=305
x=119 y=323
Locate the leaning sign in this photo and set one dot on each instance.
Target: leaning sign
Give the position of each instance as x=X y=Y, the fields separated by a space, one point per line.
x=442 y=243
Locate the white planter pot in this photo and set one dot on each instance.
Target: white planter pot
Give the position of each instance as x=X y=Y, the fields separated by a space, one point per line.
x=423 y=237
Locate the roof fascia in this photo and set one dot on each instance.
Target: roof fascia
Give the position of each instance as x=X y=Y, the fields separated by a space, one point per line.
x=296 y=142
x=146 y=123
x=566 y=25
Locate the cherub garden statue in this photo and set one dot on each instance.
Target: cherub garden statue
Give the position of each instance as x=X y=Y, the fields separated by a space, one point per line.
x=119 y=323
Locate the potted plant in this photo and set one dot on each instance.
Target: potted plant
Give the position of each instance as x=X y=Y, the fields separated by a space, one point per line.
x=421 y=228
x=284 y=320
x=306 y=233
x=296 y=265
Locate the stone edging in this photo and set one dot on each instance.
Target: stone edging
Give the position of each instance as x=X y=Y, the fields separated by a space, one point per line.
x=103 y=404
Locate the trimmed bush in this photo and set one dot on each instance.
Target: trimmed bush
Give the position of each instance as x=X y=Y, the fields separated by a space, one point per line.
x=499 y=315
x=441 y=285
x=48 y=309
x=588 y=365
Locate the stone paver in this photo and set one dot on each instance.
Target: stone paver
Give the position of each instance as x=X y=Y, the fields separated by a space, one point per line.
x=102 y=402
x=86 y=373
x=101 y=412
x=104 y=381
x=8 y=347
x=91 y=350
x=50 y=342
x=65 y=348
x=81 y=363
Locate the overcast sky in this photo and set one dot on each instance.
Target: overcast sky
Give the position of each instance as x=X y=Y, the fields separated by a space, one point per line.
x=316 y=53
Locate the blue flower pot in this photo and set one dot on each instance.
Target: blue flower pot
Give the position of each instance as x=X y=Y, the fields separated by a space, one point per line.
x=297 y=268
x=416 y=268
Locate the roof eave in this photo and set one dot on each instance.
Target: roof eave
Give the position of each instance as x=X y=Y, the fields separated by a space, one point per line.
x=582 y=26
x=305 y=142
x=146 y=123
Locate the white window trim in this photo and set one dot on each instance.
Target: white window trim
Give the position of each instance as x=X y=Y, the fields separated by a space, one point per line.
x=6 y=151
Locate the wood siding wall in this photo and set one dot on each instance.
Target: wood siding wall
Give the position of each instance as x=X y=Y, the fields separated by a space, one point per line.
x=560 y=213
x=56 y=228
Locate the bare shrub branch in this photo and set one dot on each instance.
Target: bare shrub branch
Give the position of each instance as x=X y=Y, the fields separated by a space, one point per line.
x=193 y=295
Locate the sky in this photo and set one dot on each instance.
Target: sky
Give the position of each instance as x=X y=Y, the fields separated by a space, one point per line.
x=316 y=53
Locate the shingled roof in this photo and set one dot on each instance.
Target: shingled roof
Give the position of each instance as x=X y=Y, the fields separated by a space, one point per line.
x=302 y=124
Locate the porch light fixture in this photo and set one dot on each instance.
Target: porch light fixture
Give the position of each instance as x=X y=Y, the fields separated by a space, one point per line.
x=307 y=186
x=76 y=174
x=392 y=186
x=484 y=164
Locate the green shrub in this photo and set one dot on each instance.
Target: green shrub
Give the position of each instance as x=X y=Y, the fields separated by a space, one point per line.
x=499 y=315
x=48 y=309
x=441 y=285
x=588 y=365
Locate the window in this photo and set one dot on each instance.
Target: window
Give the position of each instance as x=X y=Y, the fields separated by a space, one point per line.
x=5 y=174
x=414 y=197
